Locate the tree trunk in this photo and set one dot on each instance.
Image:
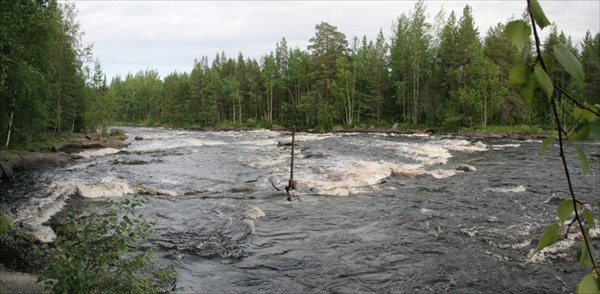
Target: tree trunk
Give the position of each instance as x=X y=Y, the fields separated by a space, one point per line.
x=12 y=114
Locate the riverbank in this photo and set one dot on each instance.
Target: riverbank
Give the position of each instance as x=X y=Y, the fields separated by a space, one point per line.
x=16 y=253
x=57 y=155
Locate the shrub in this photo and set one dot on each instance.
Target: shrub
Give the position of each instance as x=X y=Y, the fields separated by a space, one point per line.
x=92 y=253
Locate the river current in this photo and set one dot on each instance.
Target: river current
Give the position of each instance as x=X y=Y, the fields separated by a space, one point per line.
x=372 y=212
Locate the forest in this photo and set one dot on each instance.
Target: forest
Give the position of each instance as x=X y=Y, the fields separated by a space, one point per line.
x=441 y=74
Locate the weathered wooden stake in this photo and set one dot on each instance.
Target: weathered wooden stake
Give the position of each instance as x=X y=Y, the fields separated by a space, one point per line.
x=291 y=183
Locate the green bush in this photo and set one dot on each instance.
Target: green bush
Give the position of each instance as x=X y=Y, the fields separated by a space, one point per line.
x=5 y=225
x=92 y=253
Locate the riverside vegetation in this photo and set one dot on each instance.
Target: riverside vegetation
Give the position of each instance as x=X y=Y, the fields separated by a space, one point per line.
x=438 y=74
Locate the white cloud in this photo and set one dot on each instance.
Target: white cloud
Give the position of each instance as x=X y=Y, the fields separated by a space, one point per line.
x=168 y=35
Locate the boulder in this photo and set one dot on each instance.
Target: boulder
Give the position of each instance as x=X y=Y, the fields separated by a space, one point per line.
x=114 y=144
x=15 y=161
x=68 y=148
x=39 y=160
x=138 y=138
x=93 y=137
x=91 y=145
x=6 y=171
x=278 y=128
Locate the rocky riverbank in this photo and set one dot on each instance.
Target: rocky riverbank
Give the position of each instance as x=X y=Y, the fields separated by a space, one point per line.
x=57 y=155
x=16 y=253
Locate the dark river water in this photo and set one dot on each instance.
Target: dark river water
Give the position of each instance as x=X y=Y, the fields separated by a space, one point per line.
x=351 y=227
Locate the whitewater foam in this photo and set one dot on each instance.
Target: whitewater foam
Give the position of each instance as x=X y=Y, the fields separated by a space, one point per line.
x=98 y=152
x=560 y=249
x=517 y=189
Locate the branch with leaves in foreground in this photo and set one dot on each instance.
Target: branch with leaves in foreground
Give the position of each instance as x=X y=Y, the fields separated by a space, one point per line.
x=531 y=77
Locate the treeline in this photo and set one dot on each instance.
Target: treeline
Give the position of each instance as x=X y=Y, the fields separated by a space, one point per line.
x=441 y=74
x=44 y=85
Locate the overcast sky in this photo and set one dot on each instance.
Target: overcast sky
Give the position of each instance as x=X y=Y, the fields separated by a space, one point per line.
x=167 y=36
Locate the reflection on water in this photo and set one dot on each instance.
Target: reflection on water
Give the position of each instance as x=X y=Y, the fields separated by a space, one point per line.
x=375 y=213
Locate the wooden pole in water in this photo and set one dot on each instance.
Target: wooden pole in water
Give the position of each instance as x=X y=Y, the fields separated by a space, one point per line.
x=291 y=183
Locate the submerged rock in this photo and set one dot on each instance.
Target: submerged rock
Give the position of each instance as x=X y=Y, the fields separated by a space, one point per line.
x=129 y=161
x=465 y=168
x=286 y=143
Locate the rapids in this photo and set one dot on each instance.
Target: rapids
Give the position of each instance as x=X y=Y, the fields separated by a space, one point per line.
x=373 y=212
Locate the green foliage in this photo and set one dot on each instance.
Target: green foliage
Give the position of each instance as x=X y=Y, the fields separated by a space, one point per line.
x=564 y=210
x=583 y=257
x=6 y=226
x=518 y=75
x=549 y=237
x=542 y=79
x=538 y=14
x=518 y=33
x=585 y=163
x=547 y=142
x=93 y=253
x=568 y=61
x=589 y=284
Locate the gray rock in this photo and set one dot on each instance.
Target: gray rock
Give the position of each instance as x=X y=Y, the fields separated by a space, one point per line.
x=6 y=171
x=138 y=138
x=465 y=168
x=16 y=161
x=14 y=282
x=39 y=160
x=93 y=137
x=278 y=128
x=68 y=148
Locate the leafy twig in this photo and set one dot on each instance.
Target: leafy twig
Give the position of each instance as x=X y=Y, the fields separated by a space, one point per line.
x=560 y=140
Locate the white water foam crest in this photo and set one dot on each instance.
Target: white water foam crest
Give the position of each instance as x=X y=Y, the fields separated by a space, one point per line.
x=517 y=189
x=560 y=249
x=429 y=154
x=463 y=145
x=98 y=152
x=40 y=210
x=352 y=176
x=502 y=146
x=345 y=175
x=160 y=145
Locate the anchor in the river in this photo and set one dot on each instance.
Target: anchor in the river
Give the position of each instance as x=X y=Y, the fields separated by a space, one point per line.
x=291 y=183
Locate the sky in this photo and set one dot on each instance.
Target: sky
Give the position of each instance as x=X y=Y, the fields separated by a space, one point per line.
x=167 y=36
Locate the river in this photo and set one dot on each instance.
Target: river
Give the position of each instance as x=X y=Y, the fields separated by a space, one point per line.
x=351 y=227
